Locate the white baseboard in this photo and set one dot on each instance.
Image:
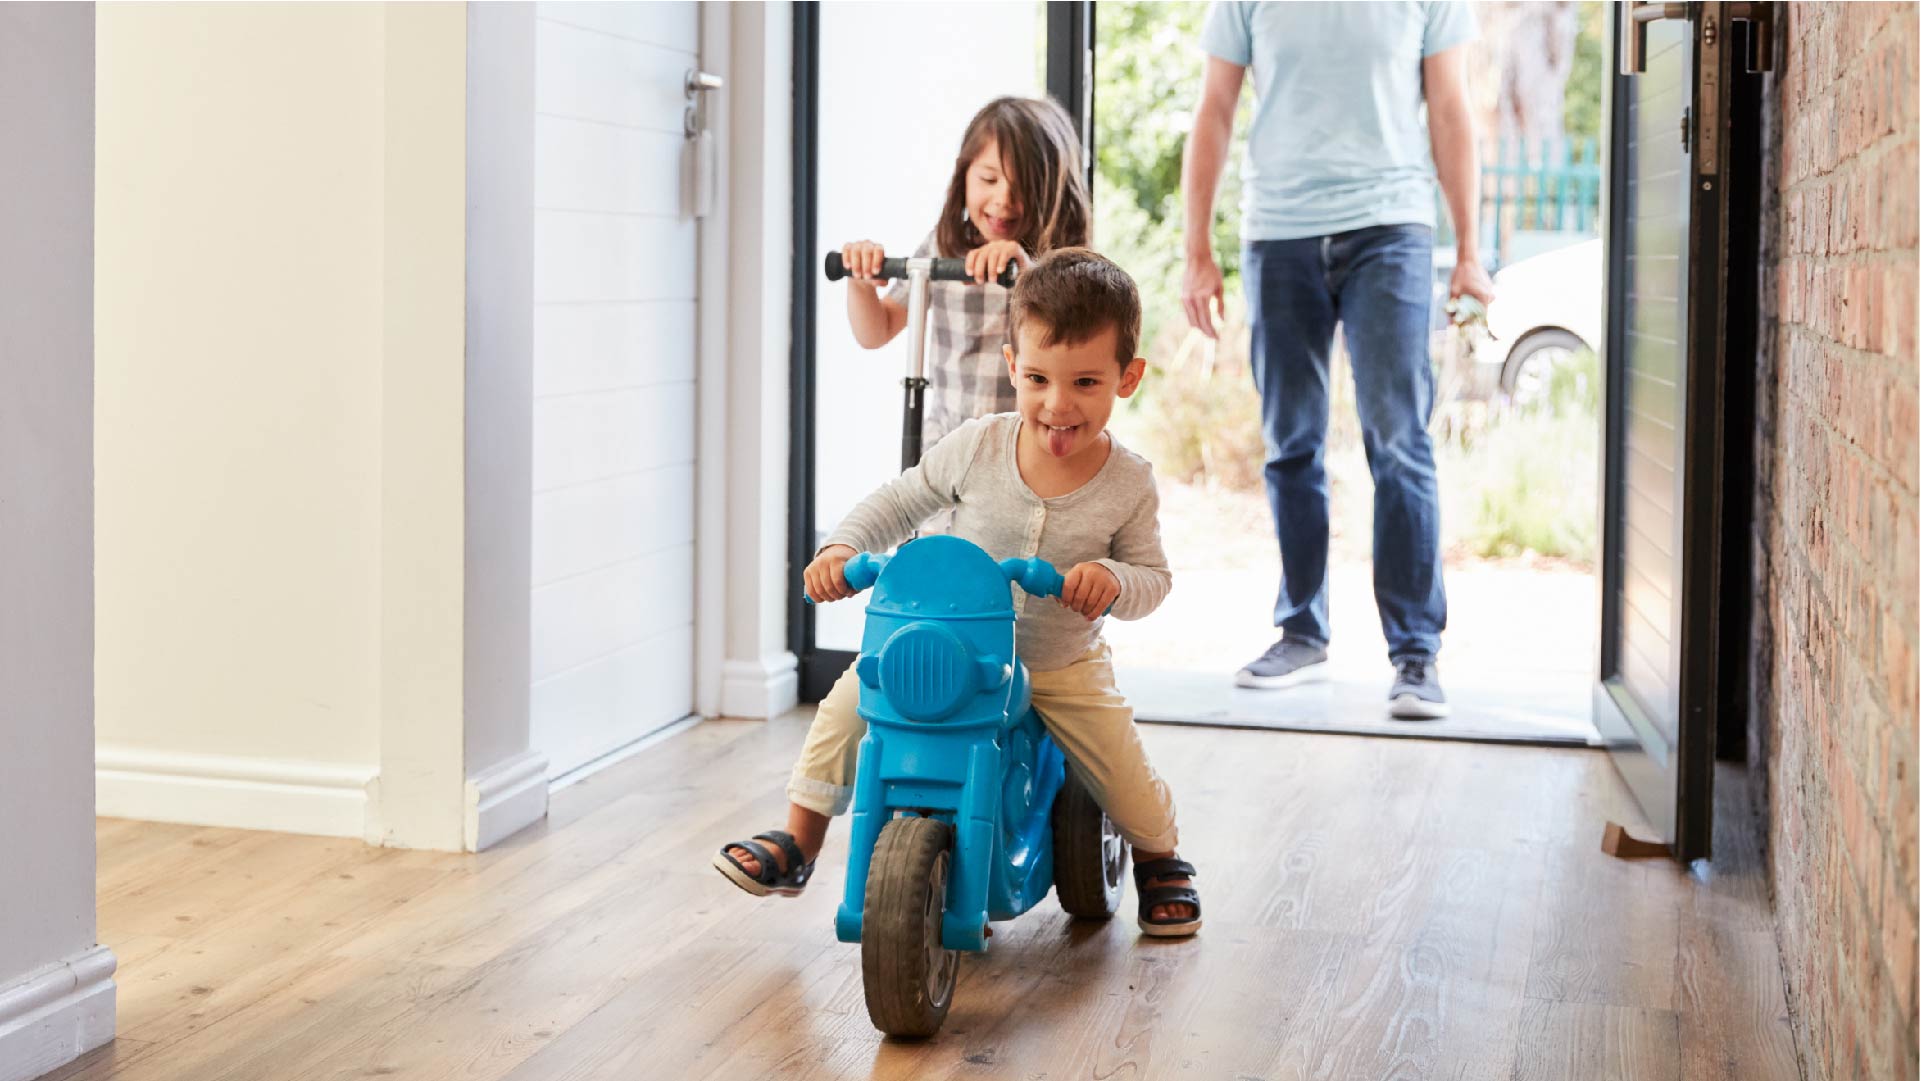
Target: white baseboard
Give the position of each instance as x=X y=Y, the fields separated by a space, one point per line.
x=505 y=799
x=222 y=790
x=623 y=753
x=56 y=1014
x=767 y=687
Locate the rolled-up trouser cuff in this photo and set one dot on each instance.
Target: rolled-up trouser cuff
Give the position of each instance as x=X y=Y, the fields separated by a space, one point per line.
x=1166 y=841
x=819 y=797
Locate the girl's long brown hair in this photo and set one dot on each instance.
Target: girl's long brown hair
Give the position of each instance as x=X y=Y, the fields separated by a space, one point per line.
x=1041 y=154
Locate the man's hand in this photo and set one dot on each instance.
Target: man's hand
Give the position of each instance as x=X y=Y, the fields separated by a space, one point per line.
x=1471 y=280
x=1202 y=293
x=1090 y=590
x=1201 y=165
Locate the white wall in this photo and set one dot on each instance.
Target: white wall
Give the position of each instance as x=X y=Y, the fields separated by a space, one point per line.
x=240 y=258
x=757 y=677
x=56 y=990
x=283 y=440
x=615 y=304
x=307 y=553
x=508 y=780
x=419 y=799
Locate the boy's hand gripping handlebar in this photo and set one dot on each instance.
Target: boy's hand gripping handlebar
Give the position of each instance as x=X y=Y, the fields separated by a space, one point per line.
x=861 y=571
x=1037 y=576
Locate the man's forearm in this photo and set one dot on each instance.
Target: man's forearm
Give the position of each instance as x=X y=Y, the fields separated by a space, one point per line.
x=1201 y=177
x=1457 y=166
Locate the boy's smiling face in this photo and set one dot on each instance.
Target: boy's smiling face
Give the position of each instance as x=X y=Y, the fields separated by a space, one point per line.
x=1066 y=391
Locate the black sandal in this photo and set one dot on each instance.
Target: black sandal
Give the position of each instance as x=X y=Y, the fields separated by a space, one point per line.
x=770 y=879
x=1172 y=926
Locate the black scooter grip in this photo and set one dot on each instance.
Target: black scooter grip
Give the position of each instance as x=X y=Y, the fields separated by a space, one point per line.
x=944 y=270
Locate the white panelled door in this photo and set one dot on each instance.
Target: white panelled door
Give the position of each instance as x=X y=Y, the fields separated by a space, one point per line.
x=614 y=371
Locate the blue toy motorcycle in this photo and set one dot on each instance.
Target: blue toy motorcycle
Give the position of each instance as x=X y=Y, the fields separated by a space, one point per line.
x=963 y=809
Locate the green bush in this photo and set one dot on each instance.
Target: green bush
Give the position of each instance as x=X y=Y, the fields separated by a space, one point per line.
x=1528 y=486
x=1526 y=482
x=1197 y=416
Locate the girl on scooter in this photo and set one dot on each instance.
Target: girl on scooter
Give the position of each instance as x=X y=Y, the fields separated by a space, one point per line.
x=1017 y=192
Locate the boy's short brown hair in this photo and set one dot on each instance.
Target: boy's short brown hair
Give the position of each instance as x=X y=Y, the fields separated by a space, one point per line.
x=1075 y=294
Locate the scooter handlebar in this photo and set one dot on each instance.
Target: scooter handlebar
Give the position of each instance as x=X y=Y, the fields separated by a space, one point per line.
x=940 y=270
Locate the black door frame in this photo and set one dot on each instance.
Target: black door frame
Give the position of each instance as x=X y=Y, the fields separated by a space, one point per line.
x=1718 y=446
x=1070 y=81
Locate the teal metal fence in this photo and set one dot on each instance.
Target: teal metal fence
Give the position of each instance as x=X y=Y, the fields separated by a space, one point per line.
x=1532 y=195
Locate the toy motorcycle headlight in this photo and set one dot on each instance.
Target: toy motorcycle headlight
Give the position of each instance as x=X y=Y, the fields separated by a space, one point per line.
x=927 y=672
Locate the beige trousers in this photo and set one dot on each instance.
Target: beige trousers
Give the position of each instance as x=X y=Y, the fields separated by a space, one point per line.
x=1088 y=718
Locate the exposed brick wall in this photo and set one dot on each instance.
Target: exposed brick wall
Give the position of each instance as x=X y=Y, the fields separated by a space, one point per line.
x=1838 y=484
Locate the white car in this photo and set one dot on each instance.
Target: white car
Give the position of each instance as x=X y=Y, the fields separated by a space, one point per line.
x=1546 y=309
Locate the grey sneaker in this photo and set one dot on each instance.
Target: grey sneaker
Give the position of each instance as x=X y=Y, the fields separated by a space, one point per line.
x=1417 y=691
x=1289 y=662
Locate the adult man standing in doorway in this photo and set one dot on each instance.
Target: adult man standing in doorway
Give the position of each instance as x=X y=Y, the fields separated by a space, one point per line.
x=1337 y=223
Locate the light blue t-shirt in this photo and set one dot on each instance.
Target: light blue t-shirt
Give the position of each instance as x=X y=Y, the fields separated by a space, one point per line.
x=1339 y=139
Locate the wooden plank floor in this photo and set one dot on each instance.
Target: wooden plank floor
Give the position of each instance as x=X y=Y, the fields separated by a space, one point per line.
x=1375 y=909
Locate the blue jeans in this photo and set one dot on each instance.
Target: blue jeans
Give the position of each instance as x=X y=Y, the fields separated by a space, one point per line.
x=1375 y=283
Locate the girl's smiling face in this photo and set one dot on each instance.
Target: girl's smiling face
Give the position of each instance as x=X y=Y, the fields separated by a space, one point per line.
x=991 y=203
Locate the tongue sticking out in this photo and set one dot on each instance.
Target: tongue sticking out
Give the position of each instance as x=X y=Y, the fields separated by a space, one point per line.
x=1058 y=441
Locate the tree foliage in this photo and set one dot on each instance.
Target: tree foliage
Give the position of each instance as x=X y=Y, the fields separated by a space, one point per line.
x=1582 y=117
x=1148 y=79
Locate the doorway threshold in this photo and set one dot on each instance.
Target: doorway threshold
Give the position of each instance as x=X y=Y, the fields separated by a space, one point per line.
x=1525 y=712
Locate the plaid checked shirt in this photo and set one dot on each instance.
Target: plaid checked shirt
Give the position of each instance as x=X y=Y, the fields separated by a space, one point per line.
x=966 y=374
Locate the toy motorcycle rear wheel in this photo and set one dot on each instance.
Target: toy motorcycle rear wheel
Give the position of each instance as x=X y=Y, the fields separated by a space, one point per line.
x=1089 y=856
x=909 y=977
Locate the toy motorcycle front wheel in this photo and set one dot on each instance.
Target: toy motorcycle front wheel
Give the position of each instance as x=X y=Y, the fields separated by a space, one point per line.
x=1089 y=855
x=909 y=977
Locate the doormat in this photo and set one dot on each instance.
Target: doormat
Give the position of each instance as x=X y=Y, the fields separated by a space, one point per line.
x=1512 y=710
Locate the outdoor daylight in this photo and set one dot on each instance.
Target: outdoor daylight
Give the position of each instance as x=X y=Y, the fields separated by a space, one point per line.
x=1516 y=425
x=960 y=540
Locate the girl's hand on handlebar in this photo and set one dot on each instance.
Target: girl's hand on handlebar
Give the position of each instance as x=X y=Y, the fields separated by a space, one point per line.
x=985 y=263
x=1090 y=589
x=862 y=259
x=824 y=577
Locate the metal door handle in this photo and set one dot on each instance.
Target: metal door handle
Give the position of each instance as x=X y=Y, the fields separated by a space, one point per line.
x=699 y=156
x=1635 y=18
x=696 y=86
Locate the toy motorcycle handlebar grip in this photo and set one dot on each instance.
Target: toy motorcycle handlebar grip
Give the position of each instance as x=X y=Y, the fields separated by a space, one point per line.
x=1037 y=576
x=943 y=270
x=862 y=571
